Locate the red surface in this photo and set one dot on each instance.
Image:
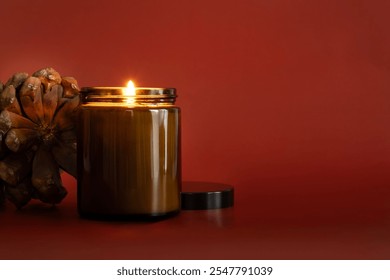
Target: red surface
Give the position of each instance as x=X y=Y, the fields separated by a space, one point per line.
x=288 y=101
x=284 y=227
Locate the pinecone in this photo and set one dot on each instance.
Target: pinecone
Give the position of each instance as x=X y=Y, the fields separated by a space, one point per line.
x=37 y=136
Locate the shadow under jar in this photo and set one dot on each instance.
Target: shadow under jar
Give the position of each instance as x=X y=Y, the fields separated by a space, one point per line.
x=129 y=163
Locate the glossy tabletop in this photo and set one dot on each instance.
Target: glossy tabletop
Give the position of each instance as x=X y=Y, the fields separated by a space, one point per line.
x=255 y=228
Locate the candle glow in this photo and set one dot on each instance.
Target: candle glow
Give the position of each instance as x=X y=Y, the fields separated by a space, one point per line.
x=129 y=91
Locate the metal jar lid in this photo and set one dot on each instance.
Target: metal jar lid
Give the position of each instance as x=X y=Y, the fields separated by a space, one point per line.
x=119 y=94
x=205 y=195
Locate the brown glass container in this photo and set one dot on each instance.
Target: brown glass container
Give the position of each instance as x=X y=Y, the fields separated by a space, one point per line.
x=128 y=153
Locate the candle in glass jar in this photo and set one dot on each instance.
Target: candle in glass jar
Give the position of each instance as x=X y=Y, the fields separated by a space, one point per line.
x=128 y=152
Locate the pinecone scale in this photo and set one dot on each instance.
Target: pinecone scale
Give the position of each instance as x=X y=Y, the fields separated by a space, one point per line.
x=37 y=136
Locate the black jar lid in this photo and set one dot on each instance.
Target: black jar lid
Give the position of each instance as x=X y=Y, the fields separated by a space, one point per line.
x=205 y=195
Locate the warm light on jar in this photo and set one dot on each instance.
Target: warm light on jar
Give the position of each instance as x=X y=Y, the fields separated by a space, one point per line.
x=128 y=152
x=129 y=91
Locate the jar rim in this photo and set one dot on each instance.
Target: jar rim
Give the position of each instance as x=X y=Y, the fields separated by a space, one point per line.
x=118 y=94
x=169 y=92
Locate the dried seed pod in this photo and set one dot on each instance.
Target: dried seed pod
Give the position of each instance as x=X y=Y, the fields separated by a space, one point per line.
x=31 y=98
x=8 y=100
x=46 y=177
x=50 y=103
x=29 y=87
x=20 y=139
x=17 y=79
x=3 y=147
x=4 y=127
x=66 y=157
x=62 y=119
x=14 y=168
x=20 y=194
x=49 y=77
x=37 y=133
x=71 y=89
x=9 y=119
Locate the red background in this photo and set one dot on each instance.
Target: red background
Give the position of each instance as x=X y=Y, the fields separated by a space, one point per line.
x=289 y=101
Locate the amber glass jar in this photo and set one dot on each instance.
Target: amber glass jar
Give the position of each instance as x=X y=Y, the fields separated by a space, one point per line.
x=128 y=153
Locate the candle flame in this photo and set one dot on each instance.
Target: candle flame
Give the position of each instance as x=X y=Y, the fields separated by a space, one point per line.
x=130 y=89
x=129 y=92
